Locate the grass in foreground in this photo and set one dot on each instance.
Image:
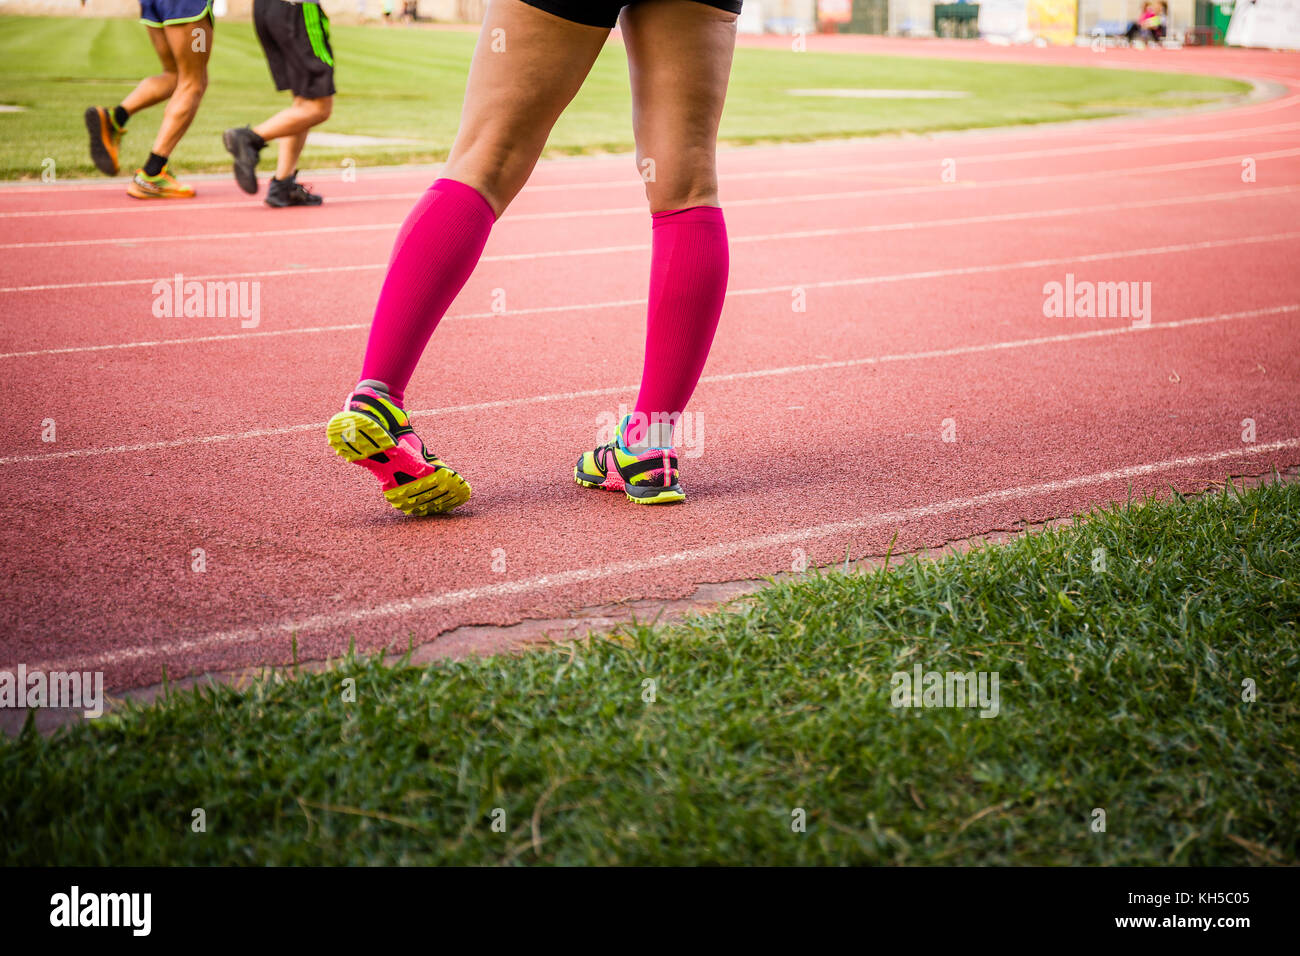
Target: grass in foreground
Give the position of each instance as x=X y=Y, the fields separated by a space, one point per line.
x=408 y=84
x=1119 y=690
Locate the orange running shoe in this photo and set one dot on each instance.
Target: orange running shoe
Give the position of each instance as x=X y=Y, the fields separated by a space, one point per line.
x=105 y=137
x=162 y=186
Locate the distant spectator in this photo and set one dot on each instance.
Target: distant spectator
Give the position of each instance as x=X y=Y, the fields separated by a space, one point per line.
x=1150 y=24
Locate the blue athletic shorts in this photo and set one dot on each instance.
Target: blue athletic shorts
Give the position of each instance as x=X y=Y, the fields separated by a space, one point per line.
x=165 y=13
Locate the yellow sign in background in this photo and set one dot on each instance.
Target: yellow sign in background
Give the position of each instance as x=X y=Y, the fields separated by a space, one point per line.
x=1053 y=20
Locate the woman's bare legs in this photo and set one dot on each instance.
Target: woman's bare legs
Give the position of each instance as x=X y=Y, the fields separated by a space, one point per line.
x=679 y=59
x=526 y=68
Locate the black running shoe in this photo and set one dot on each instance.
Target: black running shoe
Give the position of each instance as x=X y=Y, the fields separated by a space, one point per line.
x=290 y=192
x=241 y=143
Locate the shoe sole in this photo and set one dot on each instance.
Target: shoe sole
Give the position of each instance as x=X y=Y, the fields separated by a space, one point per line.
x=141 y=194
x=433 y=494
x=104 y=161
x=668 y=496
x=358 y=438
x=287 y=205
x=245 y=174
x=355 y=437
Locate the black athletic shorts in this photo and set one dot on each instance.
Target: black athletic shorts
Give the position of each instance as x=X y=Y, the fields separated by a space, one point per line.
x=604 y=13
x=296 y=40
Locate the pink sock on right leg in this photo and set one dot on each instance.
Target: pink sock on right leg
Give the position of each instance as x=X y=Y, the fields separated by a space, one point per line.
x=436 y=250
x=688 y=284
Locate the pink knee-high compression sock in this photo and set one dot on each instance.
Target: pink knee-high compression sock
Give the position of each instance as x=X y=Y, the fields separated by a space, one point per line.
x=688 y=282
x=436 y=250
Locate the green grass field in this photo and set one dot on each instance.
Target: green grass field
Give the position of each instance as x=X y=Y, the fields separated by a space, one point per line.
x=1120 y=689
x=408 y=84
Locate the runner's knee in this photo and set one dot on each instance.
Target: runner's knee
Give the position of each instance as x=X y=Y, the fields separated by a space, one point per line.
x=678 y=178
x=192 y=84
x=494 y=160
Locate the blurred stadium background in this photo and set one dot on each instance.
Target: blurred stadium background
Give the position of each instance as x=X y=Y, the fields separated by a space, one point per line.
x=1261 y=23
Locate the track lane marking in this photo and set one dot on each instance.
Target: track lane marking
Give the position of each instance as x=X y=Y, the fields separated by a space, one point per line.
x=521 y=256
x=731 y=293
x=625 y=303
x=275 y=234
x=431 y=600
x=822 y=146
x=407 y=196
x=705 y=380
x=727 y=178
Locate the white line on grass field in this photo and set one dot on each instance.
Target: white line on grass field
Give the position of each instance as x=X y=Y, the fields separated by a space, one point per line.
x=1248 y=192
x=706 y=380
x=429 y=601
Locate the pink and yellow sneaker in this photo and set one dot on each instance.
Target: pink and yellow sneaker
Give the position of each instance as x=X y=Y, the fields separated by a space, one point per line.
x=375 y=433
x=649 y=478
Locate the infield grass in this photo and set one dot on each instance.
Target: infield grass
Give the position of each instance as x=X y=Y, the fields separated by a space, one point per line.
x=1157 y=684
x=408 y=84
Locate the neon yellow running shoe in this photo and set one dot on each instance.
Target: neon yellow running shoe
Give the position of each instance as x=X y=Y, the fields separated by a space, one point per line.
x=649 y=478
x=374 y=432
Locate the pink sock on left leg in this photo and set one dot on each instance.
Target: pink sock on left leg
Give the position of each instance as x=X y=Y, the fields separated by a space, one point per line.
x=436 y=250
x=688 y=283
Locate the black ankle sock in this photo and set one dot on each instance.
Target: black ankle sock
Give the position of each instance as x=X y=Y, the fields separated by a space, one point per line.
x=120 y=116
x=154 y=165
x=258 y=142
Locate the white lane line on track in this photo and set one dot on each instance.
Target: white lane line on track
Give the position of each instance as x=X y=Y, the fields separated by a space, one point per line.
x=800 y=234
x=429 y=601
x=930 y=162
x=731 y=293
x=1145 y=135
x=187 y=206
x=1026 y=264
x=202 y=236
x=275 y=234
x=1144 y=171
x=705 y=380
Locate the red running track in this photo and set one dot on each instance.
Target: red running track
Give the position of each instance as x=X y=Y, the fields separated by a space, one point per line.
x=819 y=431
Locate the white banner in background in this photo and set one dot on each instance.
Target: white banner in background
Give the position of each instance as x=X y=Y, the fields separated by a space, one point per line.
x=1005 y=18
x=1265 y=23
